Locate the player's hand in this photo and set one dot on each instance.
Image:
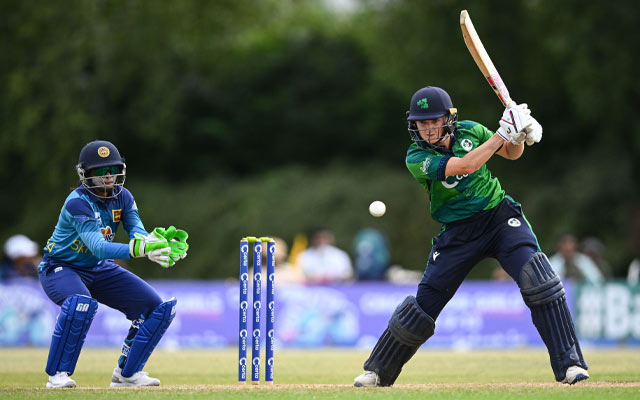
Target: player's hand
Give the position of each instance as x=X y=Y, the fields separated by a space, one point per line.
x=154 y=246
x=161 y=256
x=513 y=123
x=177 y=240
x=534 y=132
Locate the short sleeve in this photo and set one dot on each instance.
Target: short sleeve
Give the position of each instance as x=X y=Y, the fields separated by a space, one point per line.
x=80 y=210
x=424 y=165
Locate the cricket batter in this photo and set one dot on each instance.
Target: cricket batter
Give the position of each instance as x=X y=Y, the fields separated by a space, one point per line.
x=78 y=269
x=448 y=159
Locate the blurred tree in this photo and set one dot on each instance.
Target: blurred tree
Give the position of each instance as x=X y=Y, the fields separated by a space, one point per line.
x=203 y=98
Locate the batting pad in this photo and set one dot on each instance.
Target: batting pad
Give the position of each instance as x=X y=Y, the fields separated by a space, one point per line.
x=148 y=336
x=72 y=325
x=543 y=293
x=409 y=327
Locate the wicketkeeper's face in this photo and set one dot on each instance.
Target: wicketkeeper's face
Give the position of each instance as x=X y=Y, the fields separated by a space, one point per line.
x=102 y=177
x=431 y=129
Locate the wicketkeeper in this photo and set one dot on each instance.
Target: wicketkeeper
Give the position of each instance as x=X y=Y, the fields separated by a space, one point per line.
x=478 y=221
x=78 y=269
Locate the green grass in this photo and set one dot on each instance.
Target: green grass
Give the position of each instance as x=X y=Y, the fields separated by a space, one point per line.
x=329 y=373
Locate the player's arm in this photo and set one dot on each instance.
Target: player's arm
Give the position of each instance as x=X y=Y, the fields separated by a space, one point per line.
x=85 y=223
x=474 y=159
x=511 y=151
x=131 y=221
x=96 y=243
x=176 y=238
x=509 y=139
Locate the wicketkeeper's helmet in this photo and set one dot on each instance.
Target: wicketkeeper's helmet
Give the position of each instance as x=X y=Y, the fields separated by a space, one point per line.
x=98 y=154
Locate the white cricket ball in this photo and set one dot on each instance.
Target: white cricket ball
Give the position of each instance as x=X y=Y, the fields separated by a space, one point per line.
x=377 y=208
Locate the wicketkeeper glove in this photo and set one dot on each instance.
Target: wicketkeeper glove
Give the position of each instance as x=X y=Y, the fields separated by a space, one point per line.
x=153 y=246
x=177 y=240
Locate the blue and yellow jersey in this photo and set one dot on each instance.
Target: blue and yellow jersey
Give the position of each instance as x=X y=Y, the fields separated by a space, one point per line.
x=455 y=197
x=87 y=225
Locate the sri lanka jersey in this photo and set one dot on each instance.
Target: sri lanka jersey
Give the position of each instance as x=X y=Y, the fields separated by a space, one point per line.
x=87 y=225
x=455 y=197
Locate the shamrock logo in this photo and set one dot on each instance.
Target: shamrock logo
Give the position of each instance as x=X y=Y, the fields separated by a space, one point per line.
x=422 y=103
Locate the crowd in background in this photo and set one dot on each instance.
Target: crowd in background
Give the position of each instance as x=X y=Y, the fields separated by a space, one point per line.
x=315 y=259
x=21 y=259
x=323 y=262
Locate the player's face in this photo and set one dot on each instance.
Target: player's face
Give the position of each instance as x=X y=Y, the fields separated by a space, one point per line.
x=104 y=177
x=431 y=129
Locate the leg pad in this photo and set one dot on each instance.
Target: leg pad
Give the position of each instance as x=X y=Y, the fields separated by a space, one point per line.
x=148 y=336
x=72 y=325
x=409 y=327
x=543 y=293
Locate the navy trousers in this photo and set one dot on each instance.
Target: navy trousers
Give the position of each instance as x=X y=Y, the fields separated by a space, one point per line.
x=108 y=283
x=501 y=232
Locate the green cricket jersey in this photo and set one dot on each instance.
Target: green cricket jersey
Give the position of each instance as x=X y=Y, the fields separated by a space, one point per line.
x=461 y=196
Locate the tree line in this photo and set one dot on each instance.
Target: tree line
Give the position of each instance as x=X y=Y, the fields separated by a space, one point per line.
x=203 y=97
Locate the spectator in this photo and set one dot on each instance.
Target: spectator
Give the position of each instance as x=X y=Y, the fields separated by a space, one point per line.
x=633 y=276
x=399 y=274
x=21 y=259
x=372 y=254
x=569 y=263
x=323 y=262
x=285 y=271
x=594 y=249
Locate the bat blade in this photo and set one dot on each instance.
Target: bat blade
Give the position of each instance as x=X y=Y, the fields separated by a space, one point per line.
x=482 y=59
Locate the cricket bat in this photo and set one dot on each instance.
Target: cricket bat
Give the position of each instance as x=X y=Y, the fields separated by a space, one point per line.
x=480 y=56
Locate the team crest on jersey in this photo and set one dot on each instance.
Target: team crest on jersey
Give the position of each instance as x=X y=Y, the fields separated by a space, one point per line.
x=103 y=151
x=107 y=233
x=514 y=222
x=466 y=144
x=116 y=215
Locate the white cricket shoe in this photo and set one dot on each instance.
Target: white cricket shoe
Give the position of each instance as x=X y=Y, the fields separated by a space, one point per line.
x=61 y=380
x=575 y=374
x=367 y=379
x=140 y=378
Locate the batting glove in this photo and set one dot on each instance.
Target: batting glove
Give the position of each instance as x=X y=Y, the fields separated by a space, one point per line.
x=515 y=119
x=534 y=132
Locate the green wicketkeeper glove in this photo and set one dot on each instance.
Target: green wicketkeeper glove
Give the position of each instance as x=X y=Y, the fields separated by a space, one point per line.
x=153 y=246
x=177 y=239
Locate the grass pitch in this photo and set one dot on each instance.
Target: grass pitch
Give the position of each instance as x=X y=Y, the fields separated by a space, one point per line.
x=329 y=373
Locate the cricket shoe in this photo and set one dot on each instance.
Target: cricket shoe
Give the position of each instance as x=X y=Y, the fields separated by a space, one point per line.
x=575 y=374
x=60 y=380
x=140 y=378
x=367 y=379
